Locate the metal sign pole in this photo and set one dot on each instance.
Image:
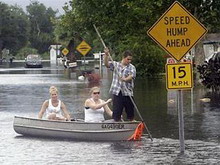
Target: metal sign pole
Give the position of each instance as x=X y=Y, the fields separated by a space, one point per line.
x=179 y=76
x=181 y=121
x=85 y=63
x=192 y=96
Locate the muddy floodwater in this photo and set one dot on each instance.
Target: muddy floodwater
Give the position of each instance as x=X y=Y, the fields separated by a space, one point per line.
x=23 y=90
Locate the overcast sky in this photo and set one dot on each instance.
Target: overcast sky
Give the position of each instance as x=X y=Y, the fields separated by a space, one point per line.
x=54 y=4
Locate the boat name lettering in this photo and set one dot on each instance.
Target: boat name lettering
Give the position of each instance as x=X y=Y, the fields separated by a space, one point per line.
x=113 y=126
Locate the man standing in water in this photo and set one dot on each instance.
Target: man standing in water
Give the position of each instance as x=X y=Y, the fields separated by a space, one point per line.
x=122 y=85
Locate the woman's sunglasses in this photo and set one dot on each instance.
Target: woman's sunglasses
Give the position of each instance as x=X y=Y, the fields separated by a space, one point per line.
x=95 y=93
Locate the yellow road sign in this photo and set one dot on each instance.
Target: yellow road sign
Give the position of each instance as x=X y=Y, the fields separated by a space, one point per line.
x=65 y=51
x=83 y=48
x=177 y=31
x=179 y=76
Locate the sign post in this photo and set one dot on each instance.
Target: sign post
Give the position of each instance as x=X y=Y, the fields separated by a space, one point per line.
x=83 y=48
x=177 y=31
x=65 y=51
x=179 y=76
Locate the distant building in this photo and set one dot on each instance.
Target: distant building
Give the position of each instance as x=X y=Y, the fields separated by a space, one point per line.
x=54 y=52
x=97 y=55
x=210 y=47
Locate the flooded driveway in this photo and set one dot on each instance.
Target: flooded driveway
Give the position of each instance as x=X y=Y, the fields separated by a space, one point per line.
x=23 y=90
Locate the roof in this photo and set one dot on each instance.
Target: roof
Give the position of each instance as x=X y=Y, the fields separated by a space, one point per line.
x=211 y=42
x=55 y=46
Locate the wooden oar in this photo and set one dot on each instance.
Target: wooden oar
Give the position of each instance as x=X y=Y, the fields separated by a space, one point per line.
x=132 y=100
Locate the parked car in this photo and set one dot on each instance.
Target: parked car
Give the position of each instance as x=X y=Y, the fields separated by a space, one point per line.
x=33 y=61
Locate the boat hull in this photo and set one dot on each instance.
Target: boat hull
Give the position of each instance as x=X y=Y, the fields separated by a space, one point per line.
x=75 y=130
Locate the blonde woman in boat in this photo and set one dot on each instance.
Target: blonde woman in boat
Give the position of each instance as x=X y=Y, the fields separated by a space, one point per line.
x=54 y=108
x=96 y=107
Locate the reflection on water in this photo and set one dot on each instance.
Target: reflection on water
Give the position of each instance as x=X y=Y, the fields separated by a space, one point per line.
x=23 y=91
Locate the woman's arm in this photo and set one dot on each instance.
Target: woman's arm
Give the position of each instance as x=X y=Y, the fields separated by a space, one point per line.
x=108 y=111
x=43 y=109
x=92 y=105
x=65 y=111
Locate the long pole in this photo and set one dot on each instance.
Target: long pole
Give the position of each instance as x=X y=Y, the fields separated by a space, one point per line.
x=132 y=100
x=100 y=63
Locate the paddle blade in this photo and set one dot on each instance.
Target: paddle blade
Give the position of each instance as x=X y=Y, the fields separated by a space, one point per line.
x=138 y=132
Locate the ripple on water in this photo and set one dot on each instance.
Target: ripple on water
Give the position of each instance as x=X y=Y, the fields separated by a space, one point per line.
x=24 y=94
x=14 y=149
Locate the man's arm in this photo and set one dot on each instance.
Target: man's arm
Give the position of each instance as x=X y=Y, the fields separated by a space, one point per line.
x=106 y=58
x=131 y=76
x=127 y=79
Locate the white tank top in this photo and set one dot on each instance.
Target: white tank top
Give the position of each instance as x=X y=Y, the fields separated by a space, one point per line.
x=92 y=115
x=51 y=109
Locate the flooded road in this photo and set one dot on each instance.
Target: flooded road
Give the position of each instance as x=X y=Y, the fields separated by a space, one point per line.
x=23 y=90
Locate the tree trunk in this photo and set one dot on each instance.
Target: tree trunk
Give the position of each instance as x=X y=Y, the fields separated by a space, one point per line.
x=199 y=58
x=71 y=56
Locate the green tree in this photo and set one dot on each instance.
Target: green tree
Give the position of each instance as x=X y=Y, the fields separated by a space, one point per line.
x=123 y=25
x=13 y=28
x=42 y=27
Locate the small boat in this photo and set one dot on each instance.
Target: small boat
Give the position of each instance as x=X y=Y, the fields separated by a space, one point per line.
x=78 y=130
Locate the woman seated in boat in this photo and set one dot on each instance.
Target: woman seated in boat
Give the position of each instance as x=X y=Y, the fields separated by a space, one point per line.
x=54 y=107
x=95 y=107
